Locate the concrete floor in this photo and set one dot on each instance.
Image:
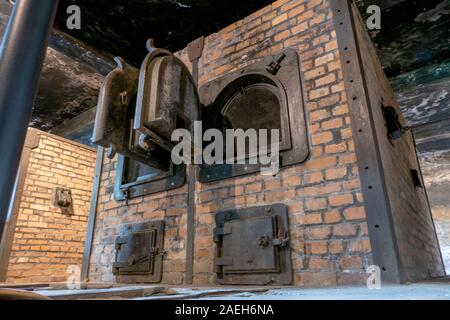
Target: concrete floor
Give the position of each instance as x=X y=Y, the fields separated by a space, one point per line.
x=406 y=292
x=422 y=291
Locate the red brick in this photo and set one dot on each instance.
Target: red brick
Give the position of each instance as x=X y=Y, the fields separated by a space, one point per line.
x=279 y=19
x=359 y=246
x=324 y=59
x=318 y=279
x=355 y=213
x=344 y=230
x=337 y=173
x=325 y=80
x=322 y=138
x=313 y=177
x=283 y=35
x=292 y=181
x=296 y=11
x=311 y=219
x=340 y=200
x=332 y=217
x=318 y=233
x=316 y=204
x=335 y=247
x=319 y=93
x=254 y=187
x=319 y=115
x=314 y=73
x=332 y=124
x=319 y=263
x=319 y=247
x=336 y=148
x=351 y=263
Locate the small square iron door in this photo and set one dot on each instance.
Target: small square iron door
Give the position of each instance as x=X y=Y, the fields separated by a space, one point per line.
x=139 y=253
x=135 y=256
x=253 y=246
x=248 y=245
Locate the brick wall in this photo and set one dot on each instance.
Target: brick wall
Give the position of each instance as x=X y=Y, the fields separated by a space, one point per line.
x=47 y=240
x=329 y=234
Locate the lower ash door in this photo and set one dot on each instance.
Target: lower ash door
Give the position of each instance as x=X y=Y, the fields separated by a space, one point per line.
x=139 y=253
x=253 y=246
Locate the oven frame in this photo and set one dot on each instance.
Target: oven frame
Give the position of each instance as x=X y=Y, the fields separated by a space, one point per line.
x=289 y=80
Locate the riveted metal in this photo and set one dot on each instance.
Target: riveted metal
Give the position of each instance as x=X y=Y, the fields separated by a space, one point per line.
x=373 y=184
x=278 y=77
x=153 y=102
x=139 y=253
x=253 y=246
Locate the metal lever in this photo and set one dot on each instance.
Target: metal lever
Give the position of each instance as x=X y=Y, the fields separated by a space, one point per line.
x=275 y=65
x=282 y=239
x=127 y=196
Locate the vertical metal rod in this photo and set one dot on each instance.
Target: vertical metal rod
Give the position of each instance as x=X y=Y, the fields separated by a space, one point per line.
x=92 y=215
x=22 y=54
x=195 y=51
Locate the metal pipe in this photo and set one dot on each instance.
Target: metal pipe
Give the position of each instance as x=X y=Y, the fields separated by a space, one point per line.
x=22 y=53
x=92 y=216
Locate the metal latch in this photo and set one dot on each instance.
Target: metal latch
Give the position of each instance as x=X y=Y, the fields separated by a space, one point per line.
x=219 y=232
x=282 y=239
x=394 y=127
x=121 y=241
x=275 y=65
x=127 y=195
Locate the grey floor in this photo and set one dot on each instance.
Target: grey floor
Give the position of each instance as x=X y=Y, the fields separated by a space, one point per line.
x=423 y=291
x=407 y=292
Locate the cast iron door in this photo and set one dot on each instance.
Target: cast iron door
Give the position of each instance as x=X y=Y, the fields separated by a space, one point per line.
x=139 y=253
x=249 y=246
x=253 y=246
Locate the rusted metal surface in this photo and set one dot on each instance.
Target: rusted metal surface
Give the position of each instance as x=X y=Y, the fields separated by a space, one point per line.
x=115 y=97
x=137 y=116
x=62 y=197
x=276 y=83
x=139 y=253
x=373 y=184
x=395 y=129
x=167 y=95
x=253 y=246
x=195 y=51
x=92 y=215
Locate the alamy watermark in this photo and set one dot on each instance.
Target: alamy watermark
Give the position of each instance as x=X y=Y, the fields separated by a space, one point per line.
x=374 y=20
x=73 y=281
x=374 y=280
x=235 y=146
x=74 y=19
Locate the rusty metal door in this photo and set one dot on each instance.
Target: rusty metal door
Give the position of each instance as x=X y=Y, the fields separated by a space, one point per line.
x=139 y=253
x=253 y=246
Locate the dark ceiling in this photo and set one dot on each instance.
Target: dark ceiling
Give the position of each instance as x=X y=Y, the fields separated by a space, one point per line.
x=415 y=35
x=122 y=27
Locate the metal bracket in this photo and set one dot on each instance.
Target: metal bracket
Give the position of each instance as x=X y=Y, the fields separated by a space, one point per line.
x=394 y=127
x=195 y=48
x=275 y=65
x=252 y=246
